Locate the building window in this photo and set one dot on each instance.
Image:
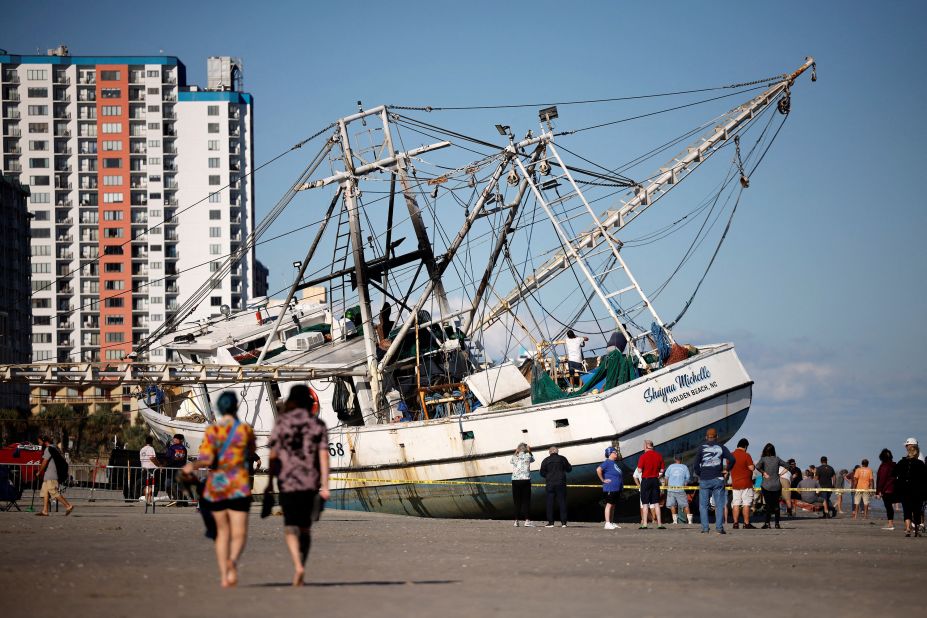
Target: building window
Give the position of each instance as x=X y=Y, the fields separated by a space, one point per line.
x=155 y=231
x=41 y=337
x=40 y=286
x=41 y=268
x=212 y=127
x=215 y=249
x=38 y=162
x=112 y=198
x=215 y=301
x=110 y=93
x=41 y=303
x=215 y=180
x=154 y=125
x=37 y=93
x=215 y=215
x=112 y=181
x=36 y=250
x=40 y=180
x=154 y=143
x=112 y=110
x=115 y=354
x=212 y=110
x=38 y=127
x=154 y=160
x=114 y=320
x=154 y=108
x=113 y=232
x=114 y=302
x=213 y=144
x=153 y=73
x=154 y=91
x=109 y=76
x=112 y=163
x=38 y=145
x=36 y=74
x=41 y=232
x=112 y=127
x=215 y=232
x=40 y=215
x=214 y=162
x=112 y=215
x=112 y=267
x=41 y=198
x=114 y=285
x=156 y=317
x=112 y=145
x=38 y=110
x=157 y=300
x=215 y=198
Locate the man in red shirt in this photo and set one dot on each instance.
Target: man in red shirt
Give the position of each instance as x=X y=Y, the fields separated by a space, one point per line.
x=650 y=465
x=742 y=483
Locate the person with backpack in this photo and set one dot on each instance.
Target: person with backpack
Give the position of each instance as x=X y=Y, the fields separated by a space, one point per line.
x=54 y=467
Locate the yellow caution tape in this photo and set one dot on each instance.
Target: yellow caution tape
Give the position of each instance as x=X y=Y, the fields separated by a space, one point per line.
x=596 y=486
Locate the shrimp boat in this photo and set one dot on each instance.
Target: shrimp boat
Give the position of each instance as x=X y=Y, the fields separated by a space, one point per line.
x=398 y=318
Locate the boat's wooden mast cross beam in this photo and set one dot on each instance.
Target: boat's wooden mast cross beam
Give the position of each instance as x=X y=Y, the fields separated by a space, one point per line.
x=162 y=374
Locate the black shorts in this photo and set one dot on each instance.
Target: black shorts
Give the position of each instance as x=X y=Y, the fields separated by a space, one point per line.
x=650 y=491
x=242 y=505
x=298 y=507
x=611 y=497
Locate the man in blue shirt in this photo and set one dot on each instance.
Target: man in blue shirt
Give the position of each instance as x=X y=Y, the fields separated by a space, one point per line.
x=709 y=466
x=677 y=476
x=612 y=479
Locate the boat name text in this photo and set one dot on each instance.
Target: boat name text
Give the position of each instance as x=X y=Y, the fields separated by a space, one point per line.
x=684 y=385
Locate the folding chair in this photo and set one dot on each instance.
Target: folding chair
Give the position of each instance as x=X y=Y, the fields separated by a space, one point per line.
x=9 y=496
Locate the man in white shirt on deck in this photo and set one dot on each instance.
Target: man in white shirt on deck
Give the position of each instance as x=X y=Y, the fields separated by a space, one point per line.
x=149 y=468
x=574 y=348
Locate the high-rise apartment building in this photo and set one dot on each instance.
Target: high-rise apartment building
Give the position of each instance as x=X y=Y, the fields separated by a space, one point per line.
x=140 y=186
x=14 y=288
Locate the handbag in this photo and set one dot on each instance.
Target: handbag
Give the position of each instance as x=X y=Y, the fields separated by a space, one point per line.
x=267 y=504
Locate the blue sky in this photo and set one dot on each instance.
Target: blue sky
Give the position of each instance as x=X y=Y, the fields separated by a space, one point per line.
x=818 y=283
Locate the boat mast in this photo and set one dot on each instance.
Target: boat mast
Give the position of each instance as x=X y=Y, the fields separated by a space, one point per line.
x=645 y=196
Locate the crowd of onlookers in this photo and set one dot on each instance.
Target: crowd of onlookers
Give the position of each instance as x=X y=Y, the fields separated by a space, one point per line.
x=733 y=485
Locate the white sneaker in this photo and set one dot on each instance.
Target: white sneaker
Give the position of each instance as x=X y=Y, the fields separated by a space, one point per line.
x=529 y=524
x=549 y=526
x=611 y=526
x=563 y=525
x=516 y=524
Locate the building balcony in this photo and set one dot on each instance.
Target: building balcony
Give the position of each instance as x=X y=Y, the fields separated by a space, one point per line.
x=11 y=113
x=62 y=150
x=11 y=95
x=64 y=343
x=61 y=79
x=84 y=96
x=62 y=115
x=65 y=255
x=10 y=77
x=63 y=186
x=11 y=131
x=64 y=97
x=65 y=221
x=14 y=166
x=63 y=203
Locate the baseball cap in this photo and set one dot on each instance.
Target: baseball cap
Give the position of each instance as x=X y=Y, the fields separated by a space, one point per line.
x=610 y=450
x=910 y=442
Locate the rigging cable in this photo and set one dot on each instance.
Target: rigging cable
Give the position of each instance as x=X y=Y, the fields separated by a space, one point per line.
x=429 y=108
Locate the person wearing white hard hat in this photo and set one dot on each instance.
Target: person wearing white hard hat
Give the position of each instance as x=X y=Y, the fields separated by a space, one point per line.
x=910 y=478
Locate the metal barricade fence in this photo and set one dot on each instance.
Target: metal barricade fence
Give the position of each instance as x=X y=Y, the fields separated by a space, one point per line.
x=97 y=483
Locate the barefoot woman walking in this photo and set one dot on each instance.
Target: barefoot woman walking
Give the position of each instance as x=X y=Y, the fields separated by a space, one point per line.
x=227 y=446
x=299 y=458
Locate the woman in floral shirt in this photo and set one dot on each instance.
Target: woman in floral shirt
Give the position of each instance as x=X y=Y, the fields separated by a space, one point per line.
x=227 y=447
x=299 y=459
x=521 y=483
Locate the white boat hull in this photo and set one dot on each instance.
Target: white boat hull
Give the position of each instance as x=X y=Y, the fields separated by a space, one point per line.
x=403 y=467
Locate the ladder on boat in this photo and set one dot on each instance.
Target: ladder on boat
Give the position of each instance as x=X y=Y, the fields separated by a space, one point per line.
x=569 y=205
